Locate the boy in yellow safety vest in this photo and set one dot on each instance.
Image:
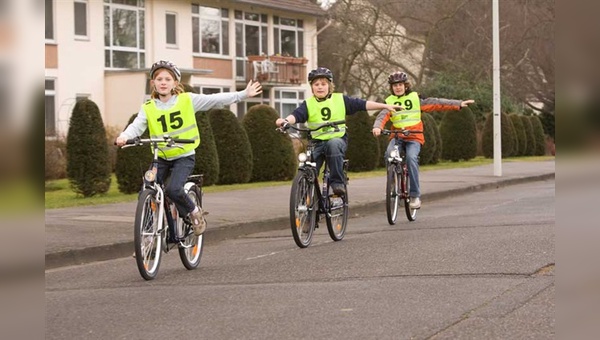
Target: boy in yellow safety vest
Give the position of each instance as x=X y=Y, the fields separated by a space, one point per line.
x=410 y=119
x=324 y=106
x=171 y=111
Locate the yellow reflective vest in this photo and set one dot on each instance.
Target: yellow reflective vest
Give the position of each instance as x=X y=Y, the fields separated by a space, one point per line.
x=178 y=121
x=329 y=110
x=411 y=115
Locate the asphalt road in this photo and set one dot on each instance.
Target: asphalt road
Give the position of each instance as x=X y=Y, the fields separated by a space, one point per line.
x=478 y=266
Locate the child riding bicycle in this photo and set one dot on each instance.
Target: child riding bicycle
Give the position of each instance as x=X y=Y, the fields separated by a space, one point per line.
x=171 y=111
x=410 y=119
x=324 y=106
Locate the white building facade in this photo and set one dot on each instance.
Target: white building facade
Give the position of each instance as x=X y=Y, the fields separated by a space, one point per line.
x=102 y=50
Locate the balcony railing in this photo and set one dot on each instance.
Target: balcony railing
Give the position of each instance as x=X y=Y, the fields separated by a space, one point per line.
x=276 y=70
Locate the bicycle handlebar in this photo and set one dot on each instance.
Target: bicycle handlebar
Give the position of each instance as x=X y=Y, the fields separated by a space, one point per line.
x=397 y=132
x=165 y=139
x=287 y=125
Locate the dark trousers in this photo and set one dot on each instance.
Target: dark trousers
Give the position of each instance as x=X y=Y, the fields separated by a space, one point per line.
x=176 y=172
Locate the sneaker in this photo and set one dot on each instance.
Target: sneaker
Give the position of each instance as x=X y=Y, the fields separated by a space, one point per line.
x=338 y=189
x=415 y=203
x=198 y=222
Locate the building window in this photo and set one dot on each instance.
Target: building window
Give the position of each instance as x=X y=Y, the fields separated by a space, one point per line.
x=124 y=34
x=244 y=106
x=210 y=89
x=286 y=101
x=289 y=36
x=49 y=20
x=81 y=15
x=50 y=92
x=210 y=30
x=251 y=34
x=171 y=20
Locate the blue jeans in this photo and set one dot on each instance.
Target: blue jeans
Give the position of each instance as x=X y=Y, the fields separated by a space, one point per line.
x=177 y=172
x=413 y=148
x=334 y=150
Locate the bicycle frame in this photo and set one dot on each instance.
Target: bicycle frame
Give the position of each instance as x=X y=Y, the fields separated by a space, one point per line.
x=307 y=206
x=398 y=177
x=151 y=235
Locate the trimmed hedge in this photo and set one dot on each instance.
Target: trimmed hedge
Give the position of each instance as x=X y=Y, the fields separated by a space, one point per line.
x=539 y=138
x=131 y=164
x=530 y=151
x=207 y=158
x=382 y=141
x=363 y=151
x=459 y=135
x=507 y=132
x=88 y=166
x=428 y=150
x=520 y=133
x=274 y=157
x=233 y=147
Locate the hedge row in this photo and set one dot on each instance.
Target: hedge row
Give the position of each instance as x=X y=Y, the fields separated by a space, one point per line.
x=251 y=150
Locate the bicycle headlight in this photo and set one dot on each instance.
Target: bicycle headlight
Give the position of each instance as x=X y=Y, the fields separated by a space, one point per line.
x=150 y=176
x=302 y=157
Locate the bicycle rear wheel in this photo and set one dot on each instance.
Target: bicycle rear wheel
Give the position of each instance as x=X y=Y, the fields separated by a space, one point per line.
x=147 y=239
x=337 y=214
x=303 y=209
x=190 y=249
x=392 y=194
x=411 y=214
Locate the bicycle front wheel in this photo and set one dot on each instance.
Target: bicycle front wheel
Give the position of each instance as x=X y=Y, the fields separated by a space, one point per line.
x=411 y=214
x=392 y=194
x=337 y=214
x=190 y=249
x=303 y=209
x=147 y=238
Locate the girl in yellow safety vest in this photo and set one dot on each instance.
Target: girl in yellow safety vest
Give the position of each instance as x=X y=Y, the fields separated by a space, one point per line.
x=171 y=111
x=324 y=106
x=410 y=119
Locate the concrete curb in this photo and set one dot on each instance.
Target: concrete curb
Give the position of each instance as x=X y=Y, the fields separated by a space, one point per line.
x=125 y=249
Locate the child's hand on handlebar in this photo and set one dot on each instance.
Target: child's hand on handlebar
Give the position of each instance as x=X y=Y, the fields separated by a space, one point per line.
x=280 y=122
x=376 y=132
x=120 y=141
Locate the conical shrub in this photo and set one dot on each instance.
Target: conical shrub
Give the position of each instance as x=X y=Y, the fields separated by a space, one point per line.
x=520 y=133
x=88 y=166
x=207 y=158
x=274 y=158
x=538 y=136
x=362 y=152
x=507 y=135
x=233 y=147
x=131 y=164
x=530 y=151
x=459 y=135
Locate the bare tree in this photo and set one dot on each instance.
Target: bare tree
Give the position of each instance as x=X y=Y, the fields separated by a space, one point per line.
x=427 y=37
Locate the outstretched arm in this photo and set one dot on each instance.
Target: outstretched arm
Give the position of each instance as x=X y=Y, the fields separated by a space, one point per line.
x=381 y=106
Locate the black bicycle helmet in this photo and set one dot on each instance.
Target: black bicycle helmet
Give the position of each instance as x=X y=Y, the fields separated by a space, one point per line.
x=320 y=72
x=167 y=65
x=397 y=77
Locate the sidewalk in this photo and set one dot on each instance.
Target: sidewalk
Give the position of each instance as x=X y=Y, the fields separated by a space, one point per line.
x=86 y=234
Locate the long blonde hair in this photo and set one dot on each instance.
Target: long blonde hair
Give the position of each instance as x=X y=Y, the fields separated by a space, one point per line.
x=174 y=91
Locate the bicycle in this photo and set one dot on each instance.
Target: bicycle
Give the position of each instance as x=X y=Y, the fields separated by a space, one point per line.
x=397 y=186
x=307 y=203
x=152 y=236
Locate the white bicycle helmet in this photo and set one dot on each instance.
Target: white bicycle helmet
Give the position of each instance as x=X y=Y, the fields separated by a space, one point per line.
x=168 y=65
